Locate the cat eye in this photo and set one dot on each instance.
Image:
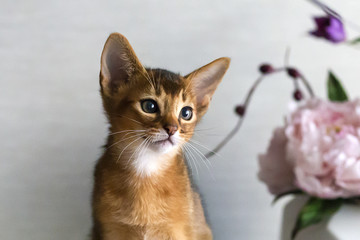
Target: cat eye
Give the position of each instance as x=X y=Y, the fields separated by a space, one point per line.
x=186 y=113
x=149 y=106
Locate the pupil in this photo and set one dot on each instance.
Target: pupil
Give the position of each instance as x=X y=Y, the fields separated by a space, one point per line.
x=150 y=105
x=186 y=113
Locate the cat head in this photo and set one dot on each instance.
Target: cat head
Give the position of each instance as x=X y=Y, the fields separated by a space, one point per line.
x=152 y=112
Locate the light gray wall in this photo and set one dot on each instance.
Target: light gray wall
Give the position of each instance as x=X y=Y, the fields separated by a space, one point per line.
x=51 y=118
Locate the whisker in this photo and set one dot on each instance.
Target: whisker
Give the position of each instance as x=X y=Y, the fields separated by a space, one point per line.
x=127 y=147
x=123 y=139
x=150 y=82
x=203 y=146
x=153 y=78
x=185 y=157
x=146 y=146
x=201 y=134
x=119 y=115
x=202 y=156
x=203 y=159
x=200 y=153
x=193 y=159
x=205 y=129
x=139 y=147
x=126 y=131
x=184 y=153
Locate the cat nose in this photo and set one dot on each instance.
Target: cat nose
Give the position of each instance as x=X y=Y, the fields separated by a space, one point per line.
x=171 y=129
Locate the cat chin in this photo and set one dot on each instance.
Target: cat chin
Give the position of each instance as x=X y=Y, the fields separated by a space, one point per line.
x=166 y=145
x=162 y=147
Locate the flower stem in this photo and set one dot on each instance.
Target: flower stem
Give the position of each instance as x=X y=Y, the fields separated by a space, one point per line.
x=307 y=85
x=226 y=139
x=239 y=123
x=246 y=103
x=326 y=9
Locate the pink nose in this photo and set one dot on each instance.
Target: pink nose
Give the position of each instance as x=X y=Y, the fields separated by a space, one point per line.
x=171 y=129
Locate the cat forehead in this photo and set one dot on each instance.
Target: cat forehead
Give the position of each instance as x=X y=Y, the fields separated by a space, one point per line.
x=167 y=84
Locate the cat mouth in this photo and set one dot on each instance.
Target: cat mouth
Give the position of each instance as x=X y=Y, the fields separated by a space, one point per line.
x=163 y=141
x=161 y=145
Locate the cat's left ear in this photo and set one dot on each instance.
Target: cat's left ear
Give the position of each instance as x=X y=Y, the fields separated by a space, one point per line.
x=118 y=64
x=205 y=80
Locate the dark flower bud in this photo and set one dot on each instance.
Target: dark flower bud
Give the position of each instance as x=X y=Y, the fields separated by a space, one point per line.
x=266 y=68
x=292 y=72
x=240 y=110
x=298 y=95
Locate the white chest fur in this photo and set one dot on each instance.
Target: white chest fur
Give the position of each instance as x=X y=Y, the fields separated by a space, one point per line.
x=152 y=162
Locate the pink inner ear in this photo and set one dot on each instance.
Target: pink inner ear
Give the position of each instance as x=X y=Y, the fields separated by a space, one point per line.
x=118 y=62
x=117 y=70
x=206 y=79
x=204 y=91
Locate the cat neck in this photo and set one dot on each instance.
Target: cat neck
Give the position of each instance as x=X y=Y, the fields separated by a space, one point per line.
x=142 y=194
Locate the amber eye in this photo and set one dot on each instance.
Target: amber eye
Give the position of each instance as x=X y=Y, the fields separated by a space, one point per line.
x=149 y=106
x=186 y=113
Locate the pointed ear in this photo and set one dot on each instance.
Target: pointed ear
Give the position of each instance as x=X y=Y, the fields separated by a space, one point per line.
x=118 y=63
x=205 y=80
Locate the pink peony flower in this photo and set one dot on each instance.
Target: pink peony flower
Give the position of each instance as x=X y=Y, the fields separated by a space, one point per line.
x=275 y=170
x=317 y=151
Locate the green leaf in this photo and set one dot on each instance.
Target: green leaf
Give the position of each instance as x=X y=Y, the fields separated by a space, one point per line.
x=355 y=41
x=281 y=195
x=314 y=211
x=336 y=92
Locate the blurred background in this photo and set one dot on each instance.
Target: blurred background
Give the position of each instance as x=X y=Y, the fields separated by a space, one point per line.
x=53 y=126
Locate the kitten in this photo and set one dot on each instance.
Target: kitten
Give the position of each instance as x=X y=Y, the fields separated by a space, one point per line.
x=142 y=188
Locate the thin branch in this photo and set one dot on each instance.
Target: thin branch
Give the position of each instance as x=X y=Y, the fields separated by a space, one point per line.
x=246 y=103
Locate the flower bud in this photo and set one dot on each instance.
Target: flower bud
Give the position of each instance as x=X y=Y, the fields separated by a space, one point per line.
x=292 y=72
x=330 y=28
x=266 y=68
x=240 y=110
x=298 y=95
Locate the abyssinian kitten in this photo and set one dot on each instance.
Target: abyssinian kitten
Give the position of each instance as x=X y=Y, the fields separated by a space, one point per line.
x=142 y=188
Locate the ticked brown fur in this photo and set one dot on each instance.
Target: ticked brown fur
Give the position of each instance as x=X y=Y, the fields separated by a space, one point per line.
x=148 y=196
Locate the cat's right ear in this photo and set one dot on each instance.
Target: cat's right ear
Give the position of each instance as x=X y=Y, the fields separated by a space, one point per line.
x=118 y=64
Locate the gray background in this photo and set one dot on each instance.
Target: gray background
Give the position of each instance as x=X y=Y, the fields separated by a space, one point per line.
x=52 y=124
